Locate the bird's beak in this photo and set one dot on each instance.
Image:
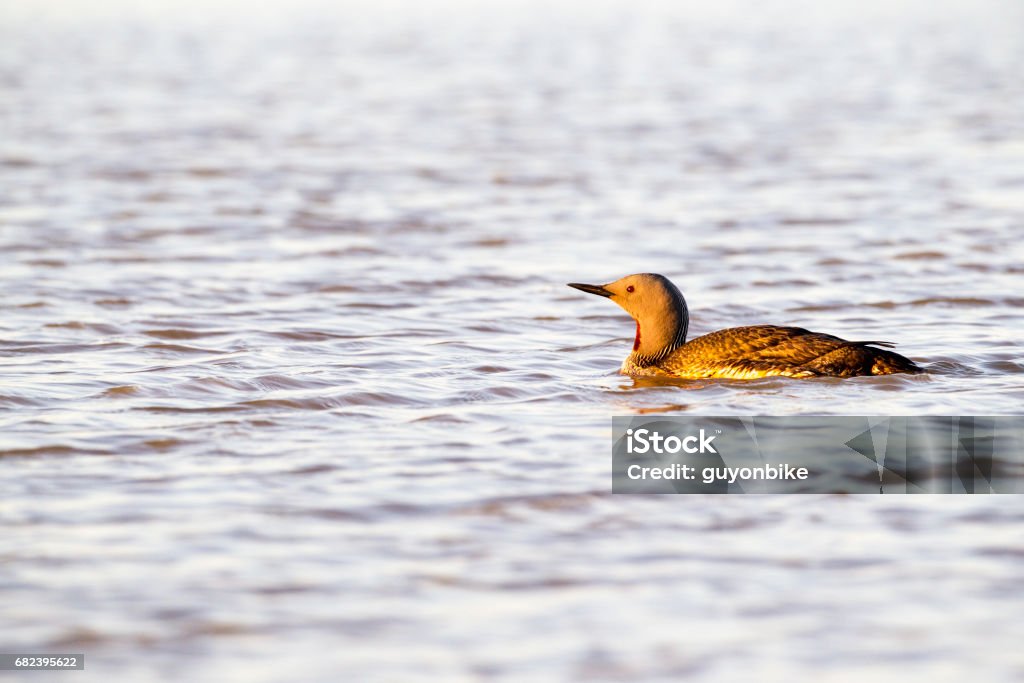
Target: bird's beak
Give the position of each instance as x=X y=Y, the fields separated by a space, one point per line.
x=591 y=289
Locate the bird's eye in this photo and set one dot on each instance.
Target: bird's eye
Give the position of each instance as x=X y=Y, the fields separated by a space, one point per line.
x=630 y=289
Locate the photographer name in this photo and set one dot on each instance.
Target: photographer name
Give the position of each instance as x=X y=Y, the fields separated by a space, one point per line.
x=710 y=475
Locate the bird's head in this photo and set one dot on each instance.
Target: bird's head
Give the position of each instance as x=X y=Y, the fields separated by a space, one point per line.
x=656 y=305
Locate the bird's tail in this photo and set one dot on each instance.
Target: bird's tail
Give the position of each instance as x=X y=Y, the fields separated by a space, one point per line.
x=889 y=362
x=888 y=345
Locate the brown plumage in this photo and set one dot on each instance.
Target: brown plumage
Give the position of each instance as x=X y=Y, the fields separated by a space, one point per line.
x=766 y=350
x=660 y=347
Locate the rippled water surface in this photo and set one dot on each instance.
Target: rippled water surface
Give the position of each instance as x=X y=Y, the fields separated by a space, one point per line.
x=292 y=387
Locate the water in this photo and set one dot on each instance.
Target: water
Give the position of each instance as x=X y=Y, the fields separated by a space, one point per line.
x=293 y=387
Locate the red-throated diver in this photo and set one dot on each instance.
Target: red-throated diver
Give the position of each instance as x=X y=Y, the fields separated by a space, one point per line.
x=660 y=347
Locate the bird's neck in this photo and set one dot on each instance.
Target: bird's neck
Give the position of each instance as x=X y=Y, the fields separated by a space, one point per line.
x=658 y=336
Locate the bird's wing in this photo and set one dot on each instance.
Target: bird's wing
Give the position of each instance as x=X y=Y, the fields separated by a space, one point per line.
x=755 y=351
x=763 y=342
x=769 y=350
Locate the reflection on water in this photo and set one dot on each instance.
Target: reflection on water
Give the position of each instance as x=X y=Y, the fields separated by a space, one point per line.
x=292 y=382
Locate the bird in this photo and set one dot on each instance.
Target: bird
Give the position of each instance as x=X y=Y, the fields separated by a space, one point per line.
x=661 y=349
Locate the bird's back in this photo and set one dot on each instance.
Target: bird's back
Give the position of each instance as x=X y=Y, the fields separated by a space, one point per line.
x=770 y=350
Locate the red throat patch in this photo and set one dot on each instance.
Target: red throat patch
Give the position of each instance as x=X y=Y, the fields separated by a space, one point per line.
x=636 y=342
